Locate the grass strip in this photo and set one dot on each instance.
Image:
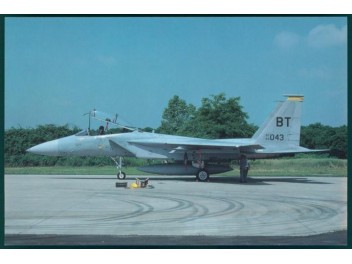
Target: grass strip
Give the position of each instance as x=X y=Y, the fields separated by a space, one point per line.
x=278 y=167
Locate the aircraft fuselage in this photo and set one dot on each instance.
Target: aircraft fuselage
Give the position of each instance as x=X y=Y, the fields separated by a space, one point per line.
x=113 y=145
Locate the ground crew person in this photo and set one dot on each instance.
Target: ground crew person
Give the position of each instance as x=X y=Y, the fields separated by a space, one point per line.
x=185 y=159
x=244 y=167
x=101 y=130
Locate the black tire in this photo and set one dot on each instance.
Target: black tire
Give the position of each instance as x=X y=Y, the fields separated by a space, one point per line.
x=121 y=175
x=203 y=175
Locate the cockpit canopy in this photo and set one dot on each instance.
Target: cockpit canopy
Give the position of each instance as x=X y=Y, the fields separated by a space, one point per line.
x=105 y=119
x=82 y=133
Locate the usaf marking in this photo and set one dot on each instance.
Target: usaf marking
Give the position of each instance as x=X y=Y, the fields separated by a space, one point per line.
x=280 y=121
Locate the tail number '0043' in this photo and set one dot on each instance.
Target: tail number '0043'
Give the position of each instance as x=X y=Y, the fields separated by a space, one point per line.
x=277 y=137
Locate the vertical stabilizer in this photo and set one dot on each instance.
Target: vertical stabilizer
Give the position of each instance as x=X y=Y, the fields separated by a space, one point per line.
x=283 y=127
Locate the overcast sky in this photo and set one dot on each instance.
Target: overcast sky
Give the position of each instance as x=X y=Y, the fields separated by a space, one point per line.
x=57 y=69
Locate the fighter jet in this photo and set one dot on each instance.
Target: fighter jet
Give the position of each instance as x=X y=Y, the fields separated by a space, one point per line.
x=279 y=136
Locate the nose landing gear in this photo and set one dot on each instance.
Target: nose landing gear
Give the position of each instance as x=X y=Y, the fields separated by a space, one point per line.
x=120 y=174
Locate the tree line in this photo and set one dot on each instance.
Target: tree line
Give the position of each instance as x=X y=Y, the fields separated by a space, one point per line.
x=217 y=117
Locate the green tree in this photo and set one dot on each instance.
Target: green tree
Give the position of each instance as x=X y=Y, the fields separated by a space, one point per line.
x=176 y=116
x=18 y=140
x=219 y=117
x=311 y=136
x=318 y=136
x=339 y=144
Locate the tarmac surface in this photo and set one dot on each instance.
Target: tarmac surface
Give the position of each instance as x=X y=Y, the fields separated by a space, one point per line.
x=91 y=210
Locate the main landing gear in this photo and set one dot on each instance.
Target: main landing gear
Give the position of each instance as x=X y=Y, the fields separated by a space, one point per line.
x=120 y=174
x=202 y=175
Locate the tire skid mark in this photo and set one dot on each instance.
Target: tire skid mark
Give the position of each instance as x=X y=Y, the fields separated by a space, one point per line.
x=184 y=209
x=200 y=210
x=303 y=212
x=170 y=207
x=142 y=209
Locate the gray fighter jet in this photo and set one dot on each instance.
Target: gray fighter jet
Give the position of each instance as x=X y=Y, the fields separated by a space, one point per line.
x=279 y=136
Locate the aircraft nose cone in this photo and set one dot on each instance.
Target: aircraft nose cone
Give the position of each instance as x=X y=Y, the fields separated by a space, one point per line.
x=50 y=148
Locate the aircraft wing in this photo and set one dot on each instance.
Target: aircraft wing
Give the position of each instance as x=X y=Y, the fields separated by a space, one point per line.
x=197 y=144
x=245 y=147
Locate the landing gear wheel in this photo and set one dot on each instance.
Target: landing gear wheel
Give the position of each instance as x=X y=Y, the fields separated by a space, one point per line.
x=121 y=175
x=202 y=175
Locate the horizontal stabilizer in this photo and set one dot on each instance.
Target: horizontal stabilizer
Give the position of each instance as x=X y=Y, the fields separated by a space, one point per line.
x=297 y=150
